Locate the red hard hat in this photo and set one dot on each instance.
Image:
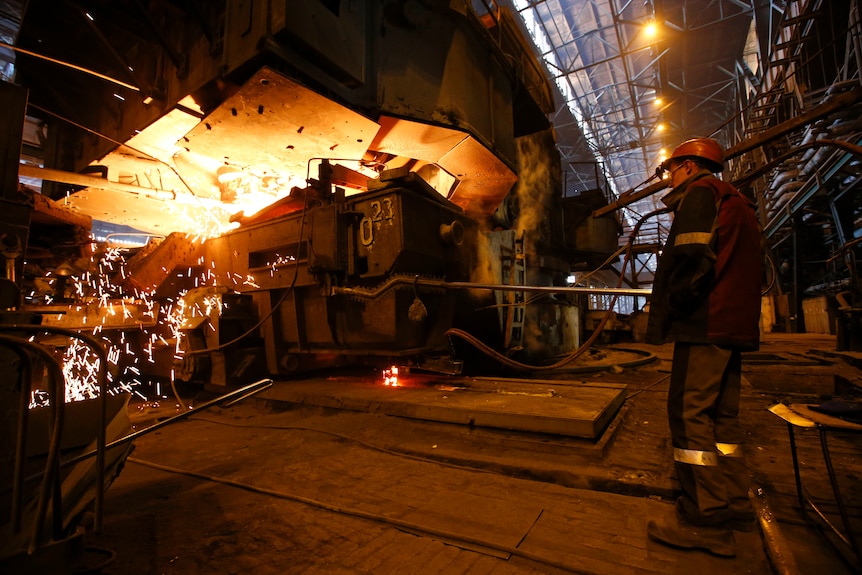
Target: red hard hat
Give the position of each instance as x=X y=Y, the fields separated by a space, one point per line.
x=704 y=148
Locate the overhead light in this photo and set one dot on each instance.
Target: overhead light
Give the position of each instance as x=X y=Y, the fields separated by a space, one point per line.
x=651 y=29
x=660 y=127
x=658 y=102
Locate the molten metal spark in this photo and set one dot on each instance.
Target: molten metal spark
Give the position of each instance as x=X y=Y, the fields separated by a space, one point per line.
x=98 y=299
x=390 y=376
x=280 y=261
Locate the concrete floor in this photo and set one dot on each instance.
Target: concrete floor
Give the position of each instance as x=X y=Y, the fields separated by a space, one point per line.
x=292 y=487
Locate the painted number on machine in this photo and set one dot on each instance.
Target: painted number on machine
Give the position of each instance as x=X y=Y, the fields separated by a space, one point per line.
x=380 y=210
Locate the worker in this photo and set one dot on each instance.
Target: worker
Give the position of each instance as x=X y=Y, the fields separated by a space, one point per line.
x=706 y=299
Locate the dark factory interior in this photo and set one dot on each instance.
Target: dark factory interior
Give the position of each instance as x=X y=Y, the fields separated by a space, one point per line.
x=355 y=286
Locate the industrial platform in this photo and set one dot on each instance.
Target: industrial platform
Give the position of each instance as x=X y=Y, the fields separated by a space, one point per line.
x=299 y=484
x=571 y=409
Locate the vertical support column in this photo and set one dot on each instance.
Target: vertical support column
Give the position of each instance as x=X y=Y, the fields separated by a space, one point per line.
x=855 y=36
x=794 y=306
x=15 y=207
x=14 y=223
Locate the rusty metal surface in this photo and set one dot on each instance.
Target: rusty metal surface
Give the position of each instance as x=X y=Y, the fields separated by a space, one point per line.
x=92 y=182
x=151 y=268
x=484 y=179
x=273 y=125
x=184 y=174
x=145 y=213
x=104 y=315
x=392 y=230
x=46 y=210
x=399 y=233
x=337 y=35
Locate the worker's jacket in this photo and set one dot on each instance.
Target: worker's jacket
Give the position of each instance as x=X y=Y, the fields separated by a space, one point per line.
x=707 y=283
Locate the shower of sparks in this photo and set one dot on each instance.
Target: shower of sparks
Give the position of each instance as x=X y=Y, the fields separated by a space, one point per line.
x=280 y=261
x=212 y=225
x=132 y=325
x=103 y=305
x=81 y=371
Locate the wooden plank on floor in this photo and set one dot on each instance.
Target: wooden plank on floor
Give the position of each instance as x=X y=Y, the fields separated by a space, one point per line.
x=475 y=519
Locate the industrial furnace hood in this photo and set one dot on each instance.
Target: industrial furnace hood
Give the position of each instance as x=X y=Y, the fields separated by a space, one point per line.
x=266 y=139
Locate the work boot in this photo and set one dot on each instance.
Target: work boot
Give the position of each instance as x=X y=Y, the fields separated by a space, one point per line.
x=670 y=529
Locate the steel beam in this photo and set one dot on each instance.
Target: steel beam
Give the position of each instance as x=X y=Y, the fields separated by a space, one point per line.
x=370 y=293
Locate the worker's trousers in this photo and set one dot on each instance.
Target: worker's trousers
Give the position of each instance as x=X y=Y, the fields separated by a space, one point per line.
x=703 y=409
